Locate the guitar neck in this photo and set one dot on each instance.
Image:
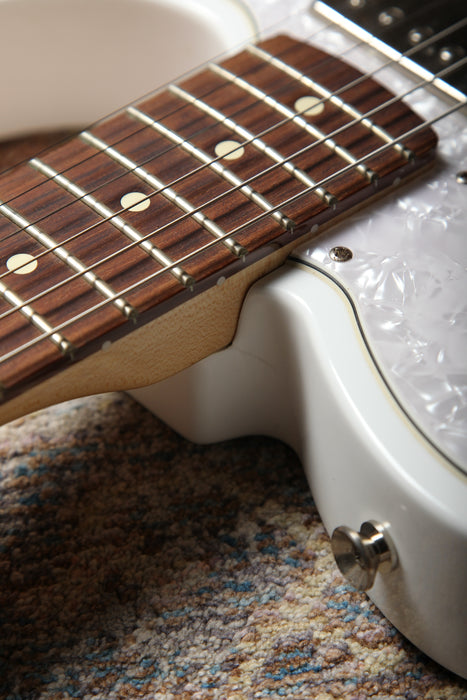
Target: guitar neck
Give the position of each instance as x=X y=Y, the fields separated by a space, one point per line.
x=126 y=252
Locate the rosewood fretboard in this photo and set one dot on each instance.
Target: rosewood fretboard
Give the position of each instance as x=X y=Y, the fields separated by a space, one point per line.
x=161 y=201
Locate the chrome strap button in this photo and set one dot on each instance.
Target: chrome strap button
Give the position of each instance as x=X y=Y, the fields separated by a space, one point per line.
x=360 y=555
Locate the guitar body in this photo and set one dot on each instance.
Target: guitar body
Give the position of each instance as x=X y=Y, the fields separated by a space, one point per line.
x=299 y=370
x=359 y=365
x=97 y=77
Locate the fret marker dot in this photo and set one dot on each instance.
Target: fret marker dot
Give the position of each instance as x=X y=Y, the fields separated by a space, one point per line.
x=135 y=201
x=21 y=264
x=309 y=106
x=230 y=150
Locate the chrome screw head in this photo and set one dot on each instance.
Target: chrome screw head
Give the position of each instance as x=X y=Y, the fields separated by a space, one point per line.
x=340 y=254
x=360 y=555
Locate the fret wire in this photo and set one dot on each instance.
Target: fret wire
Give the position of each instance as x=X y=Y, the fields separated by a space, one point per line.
x=327 y=95
x=214 y=164
x=167 y=191
x=65 y=256
x=423 y=83
x=153 y=93
x=410 y=52
x=342 y=171
x=114 y=219
x=18 y=304
x=258 y=143
x=168 y=114
x=207 y=246
x=300 y=152
x=369 y=174
x=444 y=115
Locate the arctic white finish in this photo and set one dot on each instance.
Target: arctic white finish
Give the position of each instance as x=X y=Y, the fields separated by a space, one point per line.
x=67 y=63
x=298 y=370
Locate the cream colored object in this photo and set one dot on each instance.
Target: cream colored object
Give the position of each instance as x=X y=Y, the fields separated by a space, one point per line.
x=75 y=62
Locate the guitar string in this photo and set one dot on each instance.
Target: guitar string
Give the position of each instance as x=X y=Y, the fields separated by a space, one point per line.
x=209 y=245
x=162 y=153
x=69 y=279
x=151 y=94
x=301 y=194
x=166 y=268
x=152 y=194
x=353 y=83
x=178 y=109
x=222 y=195
x=154 y=91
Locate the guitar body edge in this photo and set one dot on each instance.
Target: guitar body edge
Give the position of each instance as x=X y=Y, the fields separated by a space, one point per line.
x=299 y=370
x=86 y=85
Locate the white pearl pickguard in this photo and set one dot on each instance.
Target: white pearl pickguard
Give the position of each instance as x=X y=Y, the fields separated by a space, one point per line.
x=310 y=376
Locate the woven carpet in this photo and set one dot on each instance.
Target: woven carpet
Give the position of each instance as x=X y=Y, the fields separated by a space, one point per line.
x=134 y=564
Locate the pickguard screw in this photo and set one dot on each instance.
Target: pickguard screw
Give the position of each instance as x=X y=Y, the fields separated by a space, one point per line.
x=360 y=555
x=341 y=254
x=461 y=177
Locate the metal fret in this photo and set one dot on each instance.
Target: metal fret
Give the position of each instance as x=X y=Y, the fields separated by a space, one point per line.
x=48 y=242
x=104 y=211
x=342 y=152
x=215 y=165
x=257 y=142
x=331 y=97
x=64 y=345
x=168 y=192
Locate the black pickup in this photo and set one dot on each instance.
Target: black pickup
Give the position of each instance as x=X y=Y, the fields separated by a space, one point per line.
x=406 y=24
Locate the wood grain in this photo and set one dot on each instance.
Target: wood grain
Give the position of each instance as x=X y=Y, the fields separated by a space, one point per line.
x=184 y=324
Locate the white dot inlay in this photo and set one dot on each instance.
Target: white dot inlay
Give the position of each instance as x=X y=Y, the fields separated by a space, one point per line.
x=21 y=264
x=309 y=106
x=135 y=201
x=230 y=150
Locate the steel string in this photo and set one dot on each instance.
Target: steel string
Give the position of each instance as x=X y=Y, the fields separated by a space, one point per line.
x=353 y=83
x=209 y=245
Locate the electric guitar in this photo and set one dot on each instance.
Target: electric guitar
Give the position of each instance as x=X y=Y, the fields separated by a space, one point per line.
x=273 y=244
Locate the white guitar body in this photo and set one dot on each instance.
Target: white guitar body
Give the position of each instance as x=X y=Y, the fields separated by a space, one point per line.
x=360 y=366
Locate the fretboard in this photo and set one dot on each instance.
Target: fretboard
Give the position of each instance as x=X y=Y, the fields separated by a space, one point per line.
x=182 y=190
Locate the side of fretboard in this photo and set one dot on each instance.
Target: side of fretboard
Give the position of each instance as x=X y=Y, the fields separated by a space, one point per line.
x=168 y=197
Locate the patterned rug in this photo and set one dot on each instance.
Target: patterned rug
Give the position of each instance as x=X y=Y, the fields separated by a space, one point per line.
x=134 y=564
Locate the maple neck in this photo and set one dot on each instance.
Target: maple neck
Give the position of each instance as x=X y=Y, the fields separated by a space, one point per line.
x=174 y=195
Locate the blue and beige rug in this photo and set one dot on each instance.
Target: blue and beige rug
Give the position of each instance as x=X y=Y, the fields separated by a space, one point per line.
x=134 y=564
